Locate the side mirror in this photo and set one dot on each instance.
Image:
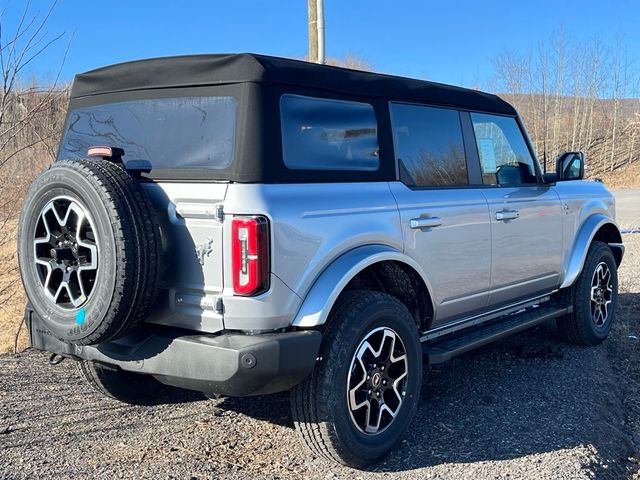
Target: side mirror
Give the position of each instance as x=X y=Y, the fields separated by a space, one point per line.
x=570 y=166
x=550 y=178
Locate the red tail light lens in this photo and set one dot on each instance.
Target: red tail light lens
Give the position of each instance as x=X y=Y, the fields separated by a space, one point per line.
x=250 y=255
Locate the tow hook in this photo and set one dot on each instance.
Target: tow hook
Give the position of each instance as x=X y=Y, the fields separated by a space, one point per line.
x=55 y=359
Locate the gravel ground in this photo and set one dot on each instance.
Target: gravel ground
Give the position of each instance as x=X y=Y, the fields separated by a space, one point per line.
x=527 y=407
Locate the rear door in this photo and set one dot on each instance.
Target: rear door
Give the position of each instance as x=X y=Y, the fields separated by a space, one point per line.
x=526 y=216
x=445 y=222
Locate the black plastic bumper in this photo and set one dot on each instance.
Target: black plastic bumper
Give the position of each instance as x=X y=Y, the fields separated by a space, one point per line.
x=228 y=364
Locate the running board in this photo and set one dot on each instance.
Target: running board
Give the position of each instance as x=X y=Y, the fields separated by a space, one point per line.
x=446 y=347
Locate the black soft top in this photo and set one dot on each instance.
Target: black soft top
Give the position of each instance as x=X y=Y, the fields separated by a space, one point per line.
x=220 y=69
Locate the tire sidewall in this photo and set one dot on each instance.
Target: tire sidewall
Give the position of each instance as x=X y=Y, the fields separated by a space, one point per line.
x=380 y=314
x=55 y=182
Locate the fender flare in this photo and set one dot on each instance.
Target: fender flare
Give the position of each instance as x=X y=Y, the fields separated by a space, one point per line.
x=591 y=226
x=331 y=282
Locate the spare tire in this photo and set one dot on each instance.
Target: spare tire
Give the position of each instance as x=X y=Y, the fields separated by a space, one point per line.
x=89 y=249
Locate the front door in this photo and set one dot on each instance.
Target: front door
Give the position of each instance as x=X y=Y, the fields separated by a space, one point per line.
x=526 y=215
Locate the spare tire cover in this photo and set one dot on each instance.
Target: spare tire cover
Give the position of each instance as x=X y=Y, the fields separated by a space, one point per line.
x=89 y=250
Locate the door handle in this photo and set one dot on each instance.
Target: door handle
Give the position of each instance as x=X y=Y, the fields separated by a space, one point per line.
x=505 y=215
x=425 y=222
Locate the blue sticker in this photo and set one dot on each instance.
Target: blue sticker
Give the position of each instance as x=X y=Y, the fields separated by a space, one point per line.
x=80 y=317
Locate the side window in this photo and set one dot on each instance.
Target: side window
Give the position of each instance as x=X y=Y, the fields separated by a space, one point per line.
x=326 y=134
x=504 y=156
x=428 y=145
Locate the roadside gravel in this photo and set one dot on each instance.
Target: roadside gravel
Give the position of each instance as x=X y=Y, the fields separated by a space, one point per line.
x=527 y=407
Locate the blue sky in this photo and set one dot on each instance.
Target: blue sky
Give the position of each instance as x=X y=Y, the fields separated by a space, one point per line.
x=450 y=41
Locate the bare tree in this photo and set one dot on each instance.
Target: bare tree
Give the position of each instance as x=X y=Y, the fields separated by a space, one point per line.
x=30 y=119
x=352 y=61
x=573 y=96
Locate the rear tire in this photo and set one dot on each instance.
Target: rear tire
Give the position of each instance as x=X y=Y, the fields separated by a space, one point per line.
x=126 y=387
x=351 y=373
x=594 y=297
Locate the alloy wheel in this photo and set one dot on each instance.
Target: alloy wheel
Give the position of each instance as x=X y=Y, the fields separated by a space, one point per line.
x=377 y=380
x=601 y=294
x=66 y=252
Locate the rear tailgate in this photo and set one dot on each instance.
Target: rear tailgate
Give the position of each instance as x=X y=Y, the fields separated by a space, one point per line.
x=192 y=285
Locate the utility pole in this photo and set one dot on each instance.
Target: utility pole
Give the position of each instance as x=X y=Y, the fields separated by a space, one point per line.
x=315 y=10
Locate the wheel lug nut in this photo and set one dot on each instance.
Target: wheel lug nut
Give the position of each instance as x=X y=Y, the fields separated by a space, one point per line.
x=382 y=368
x=368 y=392
x=384 y=382
x=378 y=393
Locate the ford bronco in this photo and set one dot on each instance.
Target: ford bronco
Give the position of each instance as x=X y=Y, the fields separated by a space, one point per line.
x=242 y=224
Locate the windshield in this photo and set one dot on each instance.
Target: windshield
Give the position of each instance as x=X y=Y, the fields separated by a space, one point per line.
x=167 y=133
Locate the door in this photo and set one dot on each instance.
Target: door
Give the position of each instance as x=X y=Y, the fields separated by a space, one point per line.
x=192 y=234
x=526 y=215
x=445 y=223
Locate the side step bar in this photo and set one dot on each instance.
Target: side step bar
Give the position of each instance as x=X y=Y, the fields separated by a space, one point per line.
x=445 y=348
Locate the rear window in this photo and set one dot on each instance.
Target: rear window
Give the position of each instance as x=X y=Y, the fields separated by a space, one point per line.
x=327 y=134
x=169 y=133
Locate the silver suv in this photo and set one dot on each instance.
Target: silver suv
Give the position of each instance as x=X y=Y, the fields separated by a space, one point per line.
x=243 y=225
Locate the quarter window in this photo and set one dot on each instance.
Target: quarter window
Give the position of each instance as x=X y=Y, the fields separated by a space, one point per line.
x=327 y=134
x=504 y=156
x=428 y=145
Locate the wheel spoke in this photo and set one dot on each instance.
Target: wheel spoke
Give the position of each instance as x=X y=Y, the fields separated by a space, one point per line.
x=605 y=307
x=353 y=403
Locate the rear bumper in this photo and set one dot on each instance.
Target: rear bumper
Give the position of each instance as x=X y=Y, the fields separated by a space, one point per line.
x=228 y=364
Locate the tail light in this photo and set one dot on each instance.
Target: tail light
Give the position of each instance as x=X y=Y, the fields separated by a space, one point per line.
x=250 y=255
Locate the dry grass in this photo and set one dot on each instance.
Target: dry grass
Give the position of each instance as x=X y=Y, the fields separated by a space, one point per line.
x=627 y=176
x=13 y=308
x=14 y=301
x=10 y=318
x=29 y=132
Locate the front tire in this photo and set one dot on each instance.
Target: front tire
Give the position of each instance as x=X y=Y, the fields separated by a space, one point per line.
x=594 y=297
x=364 y=391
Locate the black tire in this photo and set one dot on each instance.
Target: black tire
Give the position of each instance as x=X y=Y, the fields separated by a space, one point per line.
x=128 y=250
x=126 y=387
x=581 y=327
x=320 y=406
